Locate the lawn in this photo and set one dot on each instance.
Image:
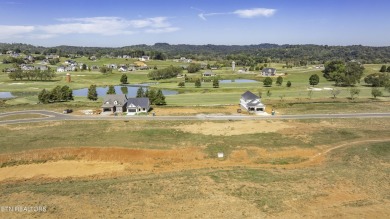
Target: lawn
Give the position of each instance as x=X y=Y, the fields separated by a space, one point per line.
x=227 y=93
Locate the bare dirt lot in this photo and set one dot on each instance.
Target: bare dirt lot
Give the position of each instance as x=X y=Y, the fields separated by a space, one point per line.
x=342 y=179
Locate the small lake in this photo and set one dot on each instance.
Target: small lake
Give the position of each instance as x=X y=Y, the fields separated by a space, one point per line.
x=130 y=91
x=238 y=81
x=5 y=95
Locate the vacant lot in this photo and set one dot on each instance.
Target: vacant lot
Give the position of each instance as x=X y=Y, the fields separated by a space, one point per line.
x=164 y=169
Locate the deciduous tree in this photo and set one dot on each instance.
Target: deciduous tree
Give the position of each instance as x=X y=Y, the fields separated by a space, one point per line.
x=375 y=92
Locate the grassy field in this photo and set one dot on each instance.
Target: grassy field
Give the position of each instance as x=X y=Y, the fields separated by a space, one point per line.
x=227 y=93
x=350 y=181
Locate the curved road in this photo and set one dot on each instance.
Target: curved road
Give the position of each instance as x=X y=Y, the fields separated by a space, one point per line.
x=54 y=116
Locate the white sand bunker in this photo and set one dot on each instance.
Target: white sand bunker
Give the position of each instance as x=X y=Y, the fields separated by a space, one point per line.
x=234 y=128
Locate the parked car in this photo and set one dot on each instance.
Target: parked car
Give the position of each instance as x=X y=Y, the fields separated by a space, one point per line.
x=66 y=111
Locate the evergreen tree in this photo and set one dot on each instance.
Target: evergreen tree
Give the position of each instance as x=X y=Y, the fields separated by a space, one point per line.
x=215 y=83
x=111 y=89
x=66 y=93
x=288 y=84
x=267 y=81
x=388 y=69
x=140 y=92
x=279 y=80
x=383 y=68
x=314 y=80
x=92 y=93
x=124 y=79
x=198 y=83
x=152 y=96
x=44 y=96
x=160 y=98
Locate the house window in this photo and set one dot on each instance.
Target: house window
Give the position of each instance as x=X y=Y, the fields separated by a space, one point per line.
x=116 y=102
x=107 y=102
x=143 y=109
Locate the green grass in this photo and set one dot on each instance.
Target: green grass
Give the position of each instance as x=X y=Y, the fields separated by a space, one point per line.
x=167 y=135
x=228 y=93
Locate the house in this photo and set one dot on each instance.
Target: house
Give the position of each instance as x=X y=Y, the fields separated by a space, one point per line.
x=208 y=74
x=252 y=103
x=27 y=67
x=268 y=72
x=112 y=66
x=61 y=69
x=70 y=62
x=52 y=56
x=70 y=68
x=123 y=69
x=42 y=67
x=45 y=62
x=144 y=58
x=137 y=105
x=114 y=103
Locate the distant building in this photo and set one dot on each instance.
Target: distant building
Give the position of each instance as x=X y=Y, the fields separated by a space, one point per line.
x=268 y=72
x=252 y=103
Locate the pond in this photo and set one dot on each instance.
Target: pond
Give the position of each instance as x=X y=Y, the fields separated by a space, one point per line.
x=130 y=91
x=238 y=81
x=5 y=95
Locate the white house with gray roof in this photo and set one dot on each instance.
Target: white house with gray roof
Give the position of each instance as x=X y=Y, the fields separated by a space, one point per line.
x=114 y=103
x=268 y=72
x=252 y=103
x=137 y=105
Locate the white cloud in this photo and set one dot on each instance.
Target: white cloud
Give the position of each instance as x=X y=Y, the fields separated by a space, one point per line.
x=244 y=13
x=255 y=12
x=105 y=26
x=14 y=31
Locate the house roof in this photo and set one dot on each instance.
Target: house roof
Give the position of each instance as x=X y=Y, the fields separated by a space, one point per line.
x=111 y=100
x=249 y=96
x=268 y=70
x=142 y=102
x=254 y=103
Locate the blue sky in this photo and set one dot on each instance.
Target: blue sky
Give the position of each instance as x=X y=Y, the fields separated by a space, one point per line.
x=117 y=23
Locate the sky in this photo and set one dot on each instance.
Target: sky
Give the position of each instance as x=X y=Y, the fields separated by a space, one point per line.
x=117 y=23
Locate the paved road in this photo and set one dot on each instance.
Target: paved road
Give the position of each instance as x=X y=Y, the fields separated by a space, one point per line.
x=53 y=116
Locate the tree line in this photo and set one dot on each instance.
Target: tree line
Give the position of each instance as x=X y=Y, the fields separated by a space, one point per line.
x=169 y=72
x=33 y=75
x=261 y=53
x=57 y=94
